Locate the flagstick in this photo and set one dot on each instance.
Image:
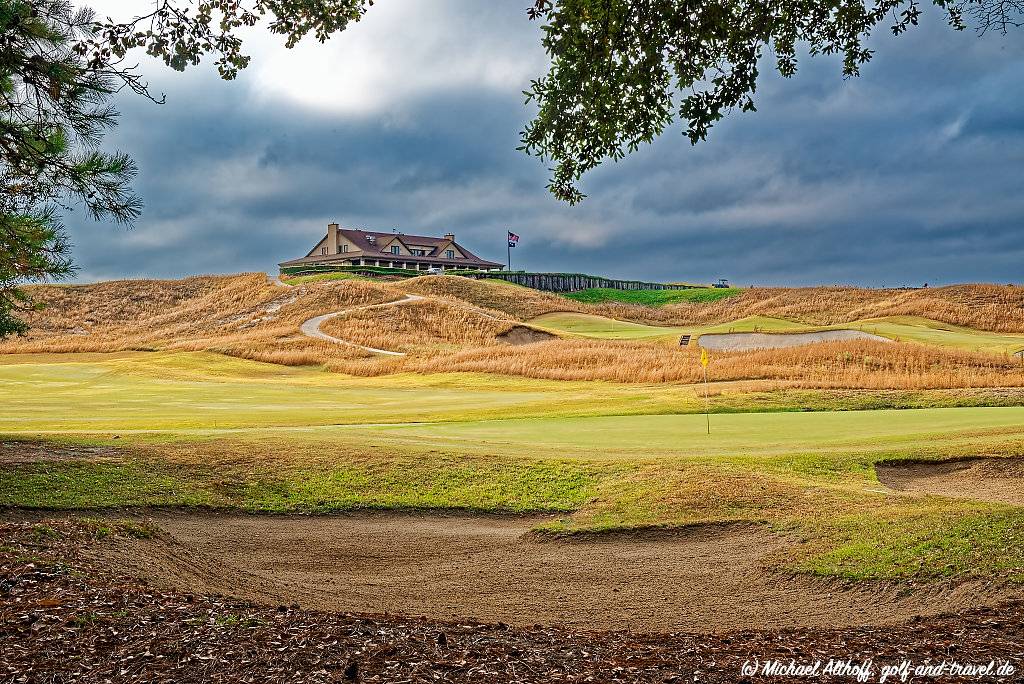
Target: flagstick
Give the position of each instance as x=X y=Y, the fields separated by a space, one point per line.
x=508 y=248
x=707 y=400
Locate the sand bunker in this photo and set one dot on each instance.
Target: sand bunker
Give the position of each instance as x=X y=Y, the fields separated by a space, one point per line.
x=752 y=341
x=986 y=479
x=491 y=569
x=521 y=334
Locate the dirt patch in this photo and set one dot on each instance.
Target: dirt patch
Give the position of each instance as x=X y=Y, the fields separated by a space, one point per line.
x=752 y=341
x=490 y=569
x=14 y=452
x=520 y=334
x=986 y=479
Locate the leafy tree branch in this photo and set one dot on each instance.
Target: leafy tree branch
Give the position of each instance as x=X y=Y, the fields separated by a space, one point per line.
x=623 y=70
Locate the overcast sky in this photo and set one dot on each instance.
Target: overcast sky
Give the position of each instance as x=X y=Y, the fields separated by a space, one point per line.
x=409 y=120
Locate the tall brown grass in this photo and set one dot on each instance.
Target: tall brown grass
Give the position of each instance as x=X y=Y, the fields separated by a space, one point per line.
x=243 y=315
x=426 y=323
x=986 y=307
x=458 y=329
x=851 y=364
x=996 y=308
x=495 y=296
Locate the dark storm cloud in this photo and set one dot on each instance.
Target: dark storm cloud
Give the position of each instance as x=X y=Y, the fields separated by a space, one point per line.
x=911 y=173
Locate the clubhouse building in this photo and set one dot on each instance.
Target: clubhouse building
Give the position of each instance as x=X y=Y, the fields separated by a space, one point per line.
x=351 y=247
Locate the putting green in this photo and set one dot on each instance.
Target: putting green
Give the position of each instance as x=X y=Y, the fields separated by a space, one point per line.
x=901 y=328
x=762 y=435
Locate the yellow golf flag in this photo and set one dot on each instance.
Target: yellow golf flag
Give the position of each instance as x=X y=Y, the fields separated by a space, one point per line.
x=704 y=357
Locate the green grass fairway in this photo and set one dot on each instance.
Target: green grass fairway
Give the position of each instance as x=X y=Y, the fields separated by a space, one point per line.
x=201 y=391
x=192 y=429
x=927 y=331
x=902 y=328
x=185 y=392
x=597 y=295
x=190 y=391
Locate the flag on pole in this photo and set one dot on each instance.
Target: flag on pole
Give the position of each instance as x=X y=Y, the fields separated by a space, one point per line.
x=704 y=360
x=512 y=239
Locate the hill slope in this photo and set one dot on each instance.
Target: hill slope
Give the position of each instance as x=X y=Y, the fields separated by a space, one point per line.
x=223 y=313
x=995 y=308
x=460 y=324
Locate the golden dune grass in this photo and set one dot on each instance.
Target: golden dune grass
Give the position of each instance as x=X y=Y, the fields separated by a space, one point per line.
x=495 y=296
x=995 y=308
x=852 y=364
x=425 y=323
x=291 y=351
x=241 y=314
x=247 y=317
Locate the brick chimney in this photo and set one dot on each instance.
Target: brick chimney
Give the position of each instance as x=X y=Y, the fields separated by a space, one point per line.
x=332 y=238
x=449 y=236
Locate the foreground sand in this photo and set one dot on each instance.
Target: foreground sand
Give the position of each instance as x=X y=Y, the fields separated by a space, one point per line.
x=707 y=578
x=66 y=615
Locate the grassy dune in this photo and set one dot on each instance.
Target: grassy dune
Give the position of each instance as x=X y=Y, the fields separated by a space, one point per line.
x=243 y=315
x=994 y=308
x=457 y=330
x=425 y=325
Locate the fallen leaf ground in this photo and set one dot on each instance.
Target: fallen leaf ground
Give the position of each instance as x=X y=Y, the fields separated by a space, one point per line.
x=66 y=617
